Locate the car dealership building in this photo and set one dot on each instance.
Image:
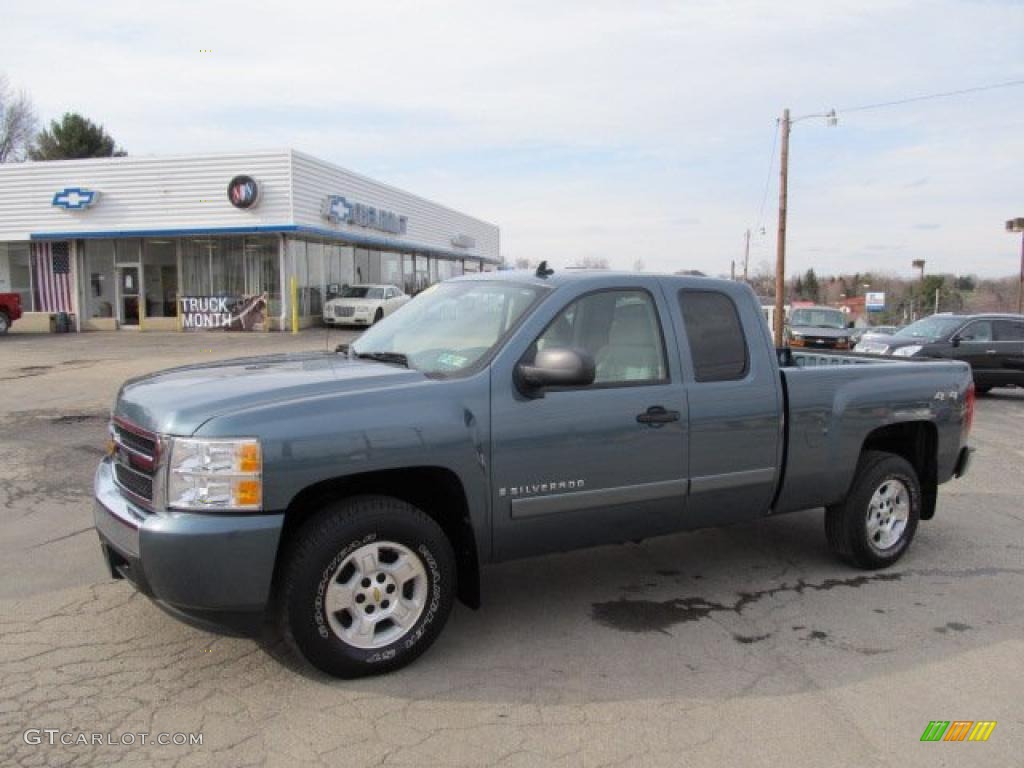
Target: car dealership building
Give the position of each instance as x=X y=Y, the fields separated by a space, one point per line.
x=165 y=243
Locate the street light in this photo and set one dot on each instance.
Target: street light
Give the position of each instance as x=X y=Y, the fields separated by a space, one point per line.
x=1017 y=225
x=831 y=119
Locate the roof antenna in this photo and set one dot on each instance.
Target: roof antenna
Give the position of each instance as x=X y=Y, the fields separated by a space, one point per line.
x=543 y=270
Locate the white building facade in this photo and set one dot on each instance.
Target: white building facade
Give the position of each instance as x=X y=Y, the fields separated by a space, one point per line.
x=128 y=242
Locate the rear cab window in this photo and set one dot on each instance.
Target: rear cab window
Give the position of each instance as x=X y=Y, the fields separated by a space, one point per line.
x=718 y=346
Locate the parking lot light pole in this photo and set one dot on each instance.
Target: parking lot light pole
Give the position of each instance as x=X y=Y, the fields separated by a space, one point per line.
x=1017 y=225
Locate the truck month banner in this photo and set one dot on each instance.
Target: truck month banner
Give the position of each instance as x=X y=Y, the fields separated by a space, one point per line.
x=226 y=313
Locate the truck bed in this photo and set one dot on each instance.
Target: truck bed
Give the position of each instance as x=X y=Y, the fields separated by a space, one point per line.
x=834 y=401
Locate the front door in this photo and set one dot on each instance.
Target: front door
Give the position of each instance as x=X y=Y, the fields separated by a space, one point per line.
x=602 y=463
x=128 y=295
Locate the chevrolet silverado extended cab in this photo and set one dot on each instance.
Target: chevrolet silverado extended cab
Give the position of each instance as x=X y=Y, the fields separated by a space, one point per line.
x=348 y=498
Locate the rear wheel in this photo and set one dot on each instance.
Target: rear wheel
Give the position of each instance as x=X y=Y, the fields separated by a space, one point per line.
x=875 y=524
x=5 y=323
x=367 y=587
x=982 y=390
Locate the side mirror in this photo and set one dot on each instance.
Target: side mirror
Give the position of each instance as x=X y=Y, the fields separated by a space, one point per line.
x=556 y=367
x=955 y=341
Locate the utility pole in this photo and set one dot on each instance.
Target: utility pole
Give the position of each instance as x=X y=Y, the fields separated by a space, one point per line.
x=746 y=255
x=732 y=269
x=1017 y=225
x=936 y=302
x=780 y=257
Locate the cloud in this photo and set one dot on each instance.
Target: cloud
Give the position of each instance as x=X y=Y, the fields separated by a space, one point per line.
x=630 y=130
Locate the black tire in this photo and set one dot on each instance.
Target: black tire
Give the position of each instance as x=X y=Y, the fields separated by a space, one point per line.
x=321 y=546
x=5 y=323
x=378 y=316
x=846 y=523
x=982 y=390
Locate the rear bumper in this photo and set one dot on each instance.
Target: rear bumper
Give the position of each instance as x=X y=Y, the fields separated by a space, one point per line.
x=214 y=571
x=963 y=461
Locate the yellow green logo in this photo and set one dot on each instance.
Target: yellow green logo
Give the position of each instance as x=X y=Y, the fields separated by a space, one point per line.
x=958 y=730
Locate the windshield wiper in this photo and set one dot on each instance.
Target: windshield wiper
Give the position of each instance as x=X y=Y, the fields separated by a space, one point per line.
x=385 y=357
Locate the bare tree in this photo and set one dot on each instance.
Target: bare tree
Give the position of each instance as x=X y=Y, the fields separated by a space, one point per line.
x=591 y=262
x=522 y=262
x=17 y=123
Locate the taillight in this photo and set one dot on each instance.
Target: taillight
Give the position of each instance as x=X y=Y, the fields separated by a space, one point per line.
x=969 y=399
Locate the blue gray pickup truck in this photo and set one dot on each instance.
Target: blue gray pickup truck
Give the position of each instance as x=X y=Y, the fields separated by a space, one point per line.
x=348 y=498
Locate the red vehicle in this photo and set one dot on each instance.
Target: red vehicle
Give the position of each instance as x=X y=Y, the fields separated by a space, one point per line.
x=10 y=310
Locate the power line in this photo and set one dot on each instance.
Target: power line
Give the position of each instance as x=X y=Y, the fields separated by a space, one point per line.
x=930 y=96
x=768 y=179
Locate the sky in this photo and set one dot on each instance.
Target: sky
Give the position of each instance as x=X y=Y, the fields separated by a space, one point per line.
x=630 y=131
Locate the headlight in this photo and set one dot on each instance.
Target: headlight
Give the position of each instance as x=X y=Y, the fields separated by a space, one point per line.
x=213 y=473
x=910 y=351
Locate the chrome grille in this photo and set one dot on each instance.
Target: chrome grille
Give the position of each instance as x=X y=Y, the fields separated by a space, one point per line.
x=134 y=482
x=344 y=311
x=136 y=457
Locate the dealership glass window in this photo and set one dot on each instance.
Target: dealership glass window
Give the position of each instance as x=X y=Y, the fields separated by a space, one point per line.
x=15 y=272
x=312 y=288
x=362 y=266
x=471 y=265
x=422 y=274
x=456 y=267
x=408 y=283
x=390 y=268
x=195 y=266
x=433 y=277
x=338 y=269
x=160 y=277
x=98 y=285
x=261 y=267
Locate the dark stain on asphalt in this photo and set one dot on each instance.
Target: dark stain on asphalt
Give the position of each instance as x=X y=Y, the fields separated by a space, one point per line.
x=817 y=634
x=750 y=639
x=953 y=626
x=79 y=418
x=652 y=616
x=667 y=573
x=657 y=616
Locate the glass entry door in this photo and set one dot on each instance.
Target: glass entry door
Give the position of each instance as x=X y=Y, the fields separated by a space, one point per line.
x=128 y=295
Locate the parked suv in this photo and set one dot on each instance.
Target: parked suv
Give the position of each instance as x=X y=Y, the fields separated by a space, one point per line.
x=818 y=327
x=992 y=343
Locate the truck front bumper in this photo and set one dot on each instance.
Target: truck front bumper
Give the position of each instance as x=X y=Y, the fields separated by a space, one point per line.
x=213 y=571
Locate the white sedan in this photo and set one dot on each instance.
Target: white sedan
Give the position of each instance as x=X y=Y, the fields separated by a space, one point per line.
x=363 y=304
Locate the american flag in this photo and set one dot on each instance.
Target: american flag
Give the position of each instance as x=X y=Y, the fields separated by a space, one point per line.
x=51 y=263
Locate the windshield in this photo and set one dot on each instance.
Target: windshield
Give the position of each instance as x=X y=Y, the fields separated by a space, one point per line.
x=818 y=318
x=450 y=326
x=354 y=291
x=931 y=328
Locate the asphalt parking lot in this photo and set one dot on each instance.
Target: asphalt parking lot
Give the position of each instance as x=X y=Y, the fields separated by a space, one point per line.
x=741 y=646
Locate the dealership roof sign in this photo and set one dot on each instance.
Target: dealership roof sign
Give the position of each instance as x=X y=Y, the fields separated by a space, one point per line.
x=75 y=198
x=338 y=210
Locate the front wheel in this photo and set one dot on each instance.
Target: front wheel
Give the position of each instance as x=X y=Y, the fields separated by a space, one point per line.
x=378 y=316
x=875 y=524
x=367 y=587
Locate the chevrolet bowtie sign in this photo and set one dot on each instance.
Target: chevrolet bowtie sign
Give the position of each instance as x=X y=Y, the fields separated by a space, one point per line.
x=338 y=210
x=75 y=198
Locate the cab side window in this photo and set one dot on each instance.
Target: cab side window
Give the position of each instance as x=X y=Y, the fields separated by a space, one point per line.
x=1008 y=330
x=619 y=329
x=717 y=343
x=980 y=330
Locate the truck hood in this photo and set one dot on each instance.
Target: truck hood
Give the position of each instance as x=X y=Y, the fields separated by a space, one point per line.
x=179 y=400
x=823 y=333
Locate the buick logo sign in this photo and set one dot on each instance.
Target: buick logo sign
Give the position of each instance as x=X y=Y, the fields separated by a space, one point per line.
x=243 y=192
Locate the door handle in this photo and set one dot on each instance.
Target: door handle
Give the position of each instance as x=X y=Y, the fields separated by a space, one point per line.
x=657 y=415
x=991 y=351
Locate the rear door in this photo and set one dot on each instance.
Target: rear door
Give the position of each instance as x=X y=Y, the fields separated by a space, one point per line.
x=596 y=464
x=735 y=405
x=1009 y=342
